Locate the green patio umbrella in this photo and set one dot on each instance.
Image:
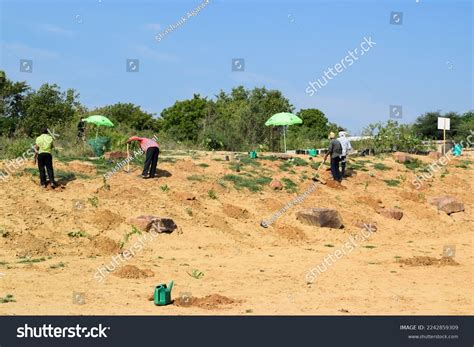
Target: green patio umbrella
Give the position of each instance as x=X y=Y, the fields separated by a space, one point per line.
x=283 y=119
x=99 y=120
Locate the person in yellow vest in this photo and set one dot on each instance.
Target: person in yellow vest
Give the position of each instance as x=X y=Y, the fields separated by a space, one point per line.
x=43 y=148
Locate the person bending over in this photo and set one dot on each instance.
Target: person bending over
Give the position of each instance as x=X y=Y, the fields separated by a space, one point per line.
x=152 y=150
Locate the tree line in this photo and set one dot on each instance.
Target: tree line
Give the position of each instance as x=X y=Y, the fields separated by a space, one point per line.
x=230 y=121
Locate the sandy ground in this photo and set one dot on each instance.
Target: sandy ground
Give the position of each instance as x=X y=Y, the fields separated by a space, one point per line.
x=246 y=269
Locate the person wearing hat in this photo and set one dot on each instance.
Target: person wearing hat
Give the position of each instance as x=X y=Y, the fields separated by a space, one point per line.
x=346 y=149
x=335 y=151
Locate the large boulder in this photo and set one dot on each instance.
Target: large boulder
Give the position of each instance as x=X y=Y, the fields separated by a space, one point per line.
x=153 y=223
x=391 y=213
x=402 y=157
x=276 y=185
x=321 y=217
x=448 y=204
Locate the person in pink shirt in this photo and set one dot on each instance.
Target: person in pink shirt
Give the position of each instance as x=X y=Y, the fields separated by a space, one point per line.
x=152 y=150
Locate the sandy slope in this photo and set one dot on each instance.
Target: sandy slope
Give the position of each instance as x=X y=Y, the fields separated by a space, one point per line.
x=262 y=270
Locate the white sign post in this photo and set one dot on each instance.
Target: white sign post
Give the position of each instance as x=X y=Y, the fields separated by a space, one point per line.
x=444 y=124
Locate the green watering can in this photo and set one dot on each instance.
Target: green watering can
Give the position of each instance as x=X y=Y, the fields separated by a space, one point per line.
x=253 y=154
x=312 y=152
x=163 y=294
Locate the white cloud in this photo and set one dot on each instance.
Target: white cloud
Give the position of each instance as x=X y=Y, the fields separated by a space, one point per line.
x=147 y=52
x=20 y=50
x=54 y=29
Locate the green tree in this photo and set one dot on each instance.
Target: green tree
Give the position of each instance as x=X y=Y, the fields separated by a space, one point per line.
x=391 y=136
x=12 y=95
x=184 y=120
x=48 y=107
x=465 y=126
x=129 y=115
x=426 y=125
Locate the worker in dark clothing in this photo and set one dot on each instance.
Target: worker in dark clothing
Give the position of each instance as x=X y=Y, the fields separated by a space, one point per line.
x=81 y=131
x=152 y=150
x=335 y=151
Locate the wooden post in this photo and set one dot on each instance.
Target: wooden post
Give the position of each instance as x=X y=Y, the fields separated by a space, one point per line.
x=444 y=137
x=128 y=158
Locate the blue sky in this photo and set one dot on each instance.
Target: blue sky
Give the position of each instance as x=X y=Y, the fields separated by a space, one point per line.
x=424 y=64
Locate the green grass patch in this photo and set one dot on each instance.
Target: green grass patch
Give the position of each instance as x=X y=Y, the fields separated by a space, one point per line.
x=464 y=164
x=328 y=245
x=392 y=183
x=203 y=165
x=167 y=160
x=249 y=161
x=413 y=164
x=94 y=201
x=289 y=185
x=212 y=194
x=198 y=178
x=380 y=166
x=268 y=157
x=7 y=298
x=31 y=260
x=251 y=183
x=77 y=234
x=299 y=162
x=315 y=165
x=285 y=166
x=58 y=265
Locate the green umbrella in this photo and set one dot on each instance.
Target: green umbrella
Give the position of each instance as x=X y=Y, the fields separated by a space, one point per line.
x=283 y=119
x=100 y=120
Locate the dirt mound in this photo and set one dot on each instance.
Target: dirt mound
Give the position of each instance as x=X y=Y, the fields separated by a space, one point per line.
x=235 y=212
x=335 y=185
x=82 y=167
x=290 y=232
x=427 y=261
x=106 y=219
x=30 y=245
x=130 y=193
x=185 y=197
x=103 y=245
x=131 y=271
x=370 y=201
x=412 y=196
x=184 y=166
x=209 y=302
